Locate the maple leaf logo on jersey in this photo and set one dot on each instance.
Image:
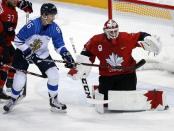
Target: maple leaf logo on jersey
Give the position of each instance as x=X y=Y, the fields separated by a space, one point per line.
x=114 y=60
x=155 y=98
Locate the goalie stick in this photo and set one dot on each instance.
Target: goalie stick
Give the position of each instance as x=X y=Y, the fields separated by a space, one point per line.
x=89 y=99
x=133 y=67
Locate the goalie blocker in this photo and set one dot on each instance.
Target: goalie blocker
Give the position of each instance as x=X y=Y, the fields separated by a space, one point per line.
x=139 y=100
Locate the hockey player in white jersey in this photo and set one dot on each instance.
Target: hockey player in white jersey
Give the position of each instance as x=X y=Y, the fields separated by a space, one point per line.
x=32 y=46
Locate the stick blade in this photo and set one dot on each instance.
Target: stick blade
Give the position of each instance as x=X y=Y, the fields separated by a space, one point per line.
x=97 y=102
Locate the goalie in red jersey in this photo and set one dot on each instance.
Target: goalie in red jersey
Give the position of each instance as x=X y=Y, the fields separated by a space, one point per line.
x=8 y=23
x=114 y=48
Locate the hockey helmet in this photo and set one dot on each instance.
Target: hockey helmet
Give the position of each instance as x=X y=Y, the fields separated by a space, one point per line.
x=48 y=9
x=111 y=29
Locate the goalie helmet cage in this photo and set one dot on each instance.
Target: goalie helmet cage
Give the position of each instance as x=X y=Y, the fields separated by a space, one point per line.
x=131 y=14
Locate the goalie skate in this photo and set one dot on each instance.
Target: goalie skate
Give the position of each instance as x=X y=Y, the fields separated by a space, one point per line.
x=57 y=106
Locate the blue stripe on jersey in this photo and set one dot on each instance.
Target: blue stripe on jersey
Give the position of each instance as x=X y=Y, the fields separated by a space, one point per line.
x=52 y=88
x=35 y=27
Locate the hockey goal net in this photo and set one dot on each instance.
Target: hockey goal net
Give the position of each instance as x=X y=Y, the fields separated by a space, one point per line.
x=153 y=16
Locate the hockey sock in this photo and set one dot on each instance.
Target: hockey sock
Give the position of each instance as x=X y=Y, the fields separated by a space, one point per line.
x=15 y=94
x=52 y=90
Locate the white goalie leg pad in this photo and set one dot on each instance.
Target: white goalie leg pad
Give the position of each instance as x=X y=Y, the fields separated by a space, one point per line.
x=94 y=90
x=98 y=96
x=136 y=100
x=99 y=107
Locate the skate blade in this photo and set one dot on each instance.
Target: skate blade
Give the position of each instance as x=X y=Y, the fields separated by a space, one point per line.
x=54 y=109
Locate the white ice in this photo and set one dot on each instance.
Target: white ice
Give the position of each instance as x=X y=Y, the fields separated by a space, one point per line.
x=81 y=23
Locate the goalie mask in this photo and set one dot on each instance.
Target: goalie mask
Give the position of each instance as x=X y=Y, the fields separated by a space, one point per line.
x=111 y=29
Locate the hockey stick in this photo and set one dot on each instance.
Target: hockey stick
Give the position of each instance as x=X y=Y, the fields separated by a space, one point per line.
x=24 y=71
x=25 y=86
x=133 y=67
x=24 y=93
x=27 y=17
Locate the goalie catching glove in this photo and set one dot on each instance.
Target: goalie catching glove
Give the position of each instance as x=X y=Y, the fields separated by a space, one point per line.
x=151 y=44
x=80 y=70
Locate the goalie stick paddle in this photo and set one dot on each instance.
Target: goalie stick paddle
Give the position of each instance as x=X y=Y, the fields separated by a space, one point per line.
x=90 y=100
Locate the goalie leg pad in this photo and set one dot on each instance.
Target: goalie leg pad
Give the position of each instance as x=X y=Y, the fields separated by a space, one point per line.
x=98 y=96
x=136 y=100
x=100 y=107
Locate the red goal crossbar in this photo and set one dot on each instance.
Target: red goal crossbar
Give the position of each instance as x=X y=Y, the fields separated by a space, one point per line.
x=150 y=4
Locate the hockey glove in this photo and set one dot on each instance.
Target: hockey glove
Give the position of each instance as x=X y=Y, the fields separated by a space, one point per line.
x=80 y=71
x=66 y=56
x=25 y=6
x=151 y=44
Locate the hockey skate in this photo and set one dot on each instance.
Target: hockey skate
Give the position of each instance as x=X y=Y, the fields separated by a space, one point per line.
x=10 y=104
x=56 y=106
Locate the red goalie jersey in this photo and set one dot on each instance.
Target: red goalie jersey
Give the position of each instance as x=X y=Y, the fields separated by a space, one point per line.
x=116 y=52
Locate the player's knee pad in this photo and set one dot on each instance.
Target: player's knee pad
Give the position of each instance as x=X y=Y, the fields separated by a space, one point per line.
x=19 y=80
x=53 y=76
